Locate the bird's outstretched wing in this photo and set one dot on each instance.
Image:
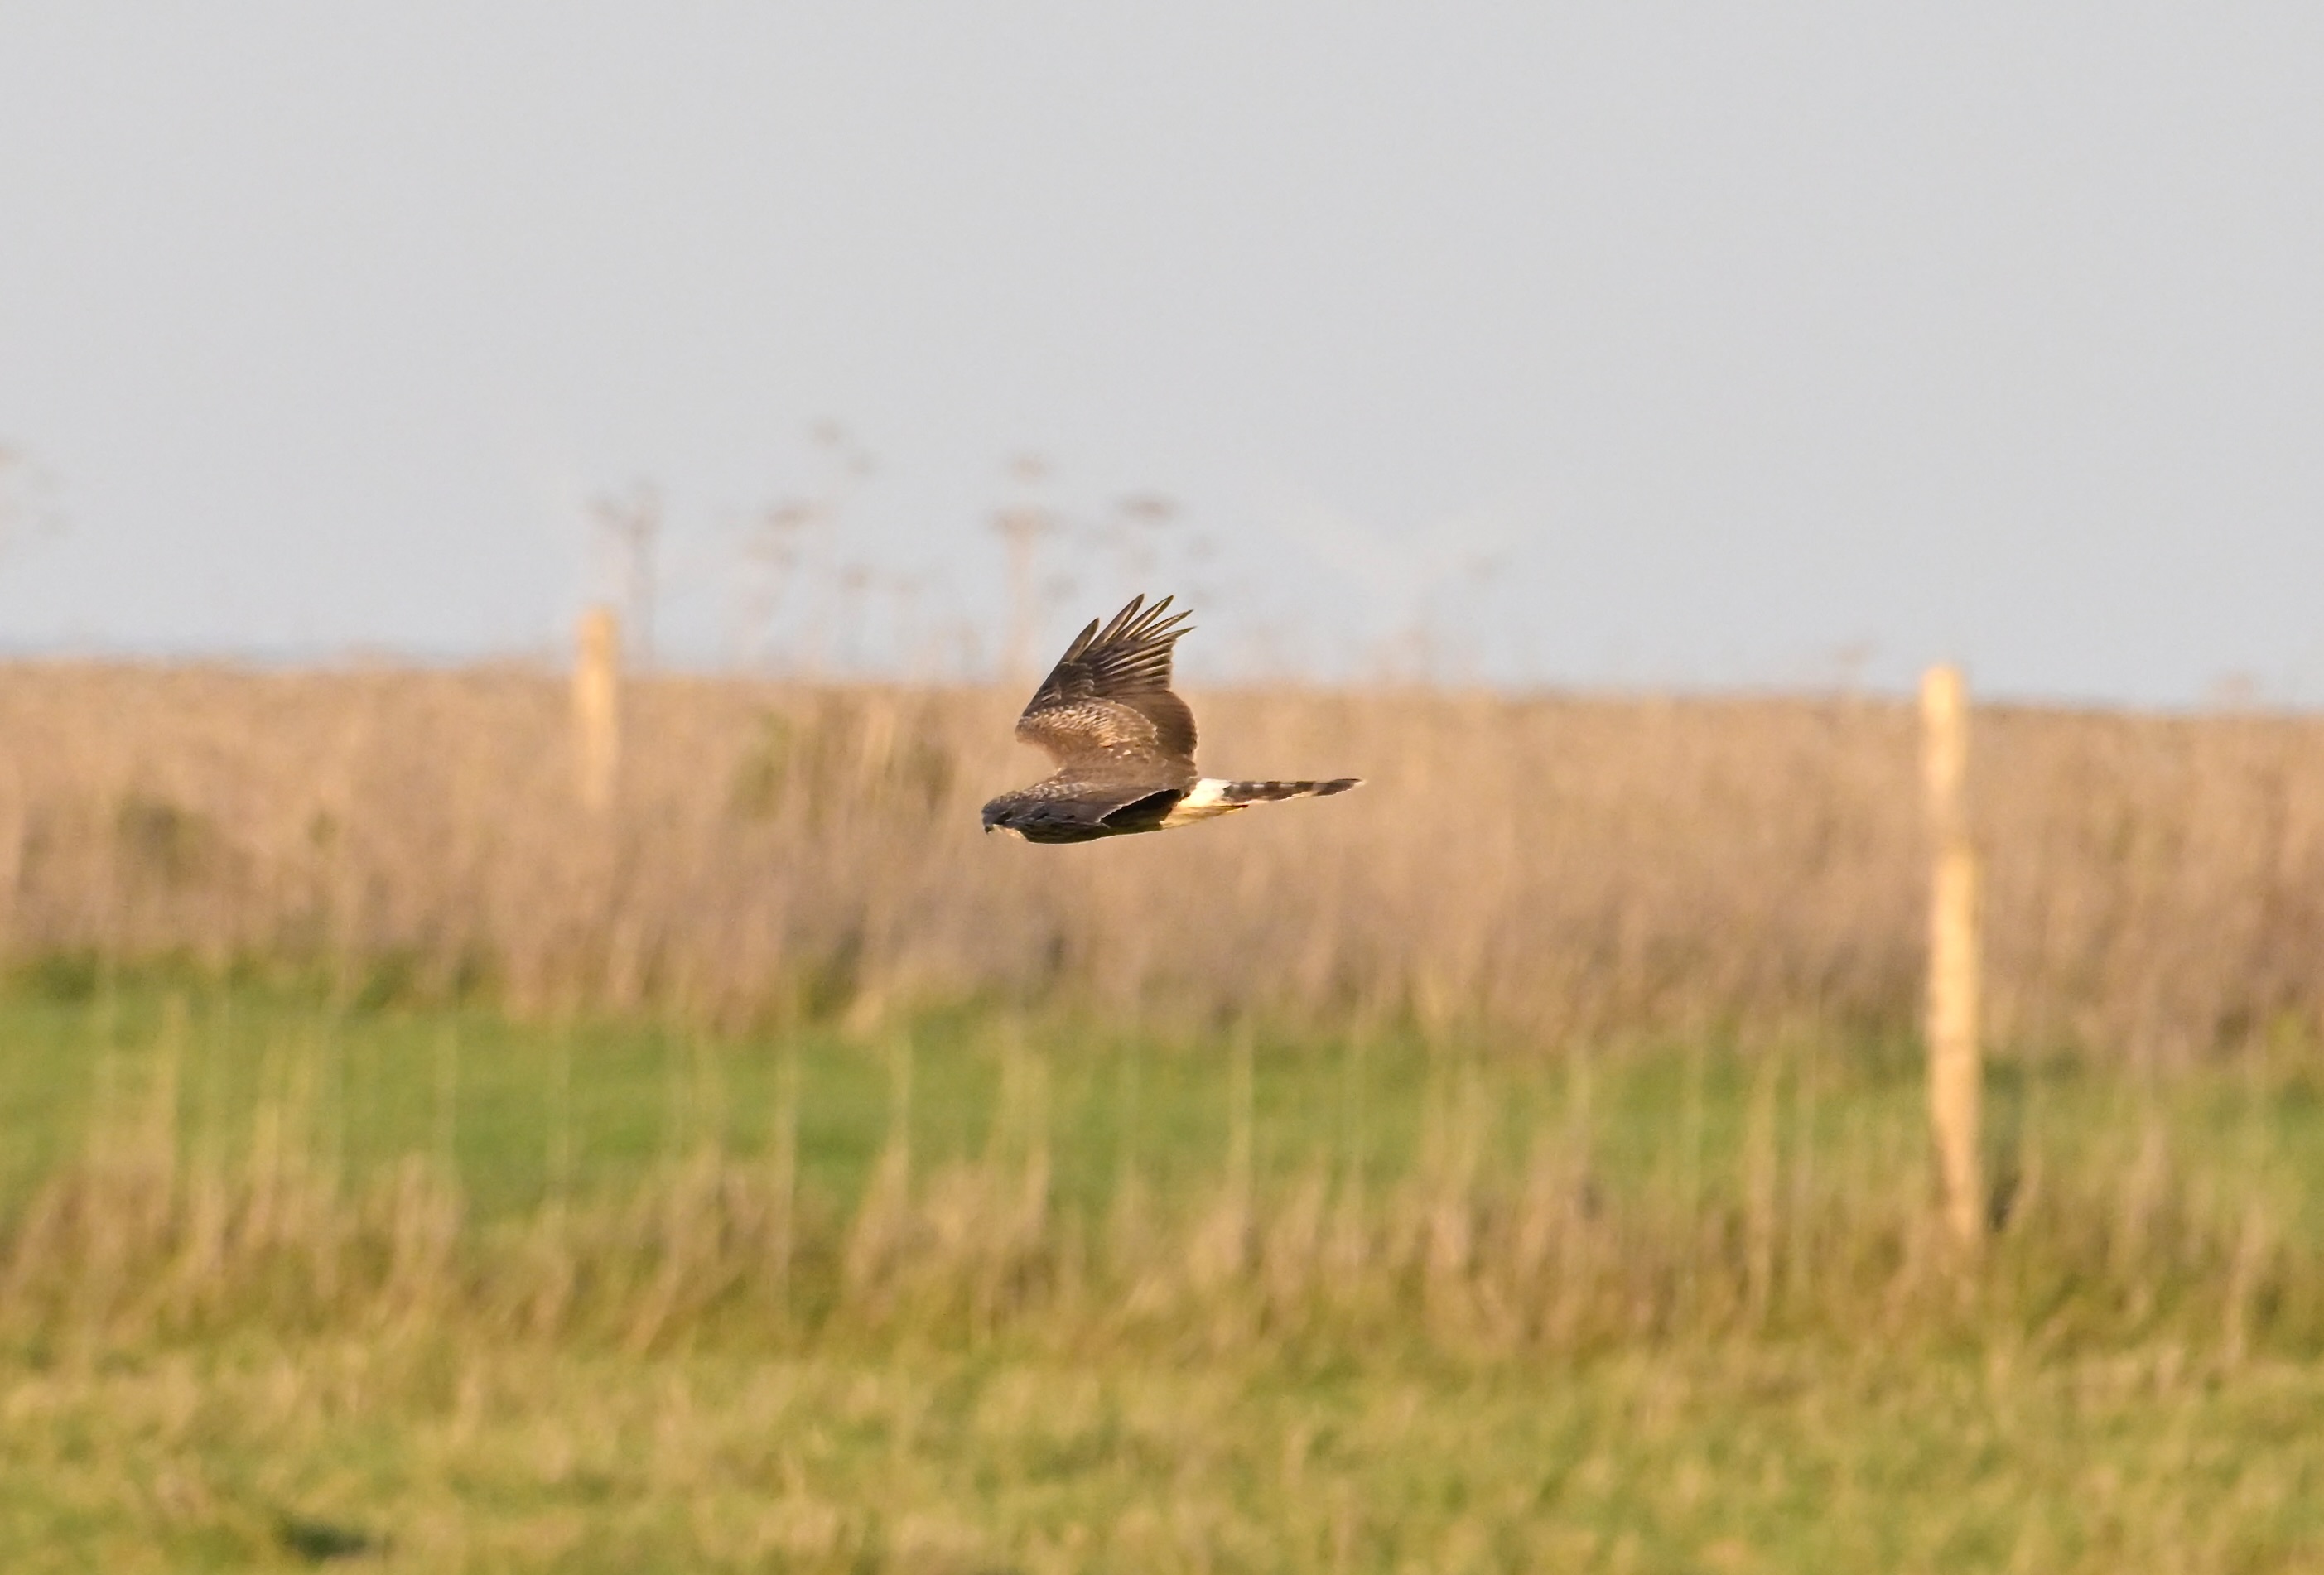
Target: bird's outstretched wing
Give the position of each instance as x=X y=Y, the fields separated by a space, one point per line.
x=1109 y=695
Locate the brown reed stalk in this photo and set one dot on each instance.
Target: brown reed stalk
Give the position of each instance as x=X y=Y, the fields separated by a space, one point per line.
x=447 y=1121
x=1762 y=1164
x=782 y=1167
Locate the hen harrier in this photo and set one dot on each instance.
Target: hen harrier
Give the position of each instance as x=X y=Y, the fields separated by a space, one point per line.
x=1123 y=743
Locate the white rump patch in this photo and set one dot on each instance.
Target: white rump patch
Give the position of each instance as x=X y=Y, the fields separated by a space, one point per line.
x=1207 y=800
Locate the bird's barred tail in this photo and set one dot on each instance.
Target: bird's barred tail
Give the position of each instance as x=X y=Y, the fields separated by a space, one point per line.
x=1214 y=795
x=1269 y=792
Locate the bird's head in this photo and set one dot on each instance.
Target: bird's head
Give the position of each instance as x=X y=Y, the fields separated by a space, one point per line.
x=997 y=818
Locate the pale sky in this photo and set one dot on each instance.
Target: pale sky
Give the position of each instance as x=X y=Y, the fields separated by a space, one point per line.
x=1623 y=344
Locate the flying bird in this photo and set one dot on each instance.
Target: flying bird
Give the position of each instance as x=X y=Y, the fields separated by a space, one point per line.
x=1123 y=743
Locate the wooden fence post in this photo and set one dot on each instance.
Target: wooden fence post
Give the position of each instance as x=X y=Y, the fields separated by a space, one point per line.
x=1954 y=1067
x=597 y=707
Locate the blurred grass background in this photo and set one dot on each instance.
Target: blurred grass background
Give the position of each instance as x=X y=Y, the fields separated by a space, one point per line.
x=290 y=1280
x=402 y=1164
x=1568 y=869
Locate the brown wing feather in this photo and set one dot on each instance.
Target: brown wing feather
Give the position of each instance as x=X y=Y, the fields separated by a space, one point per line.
x=1110 y=693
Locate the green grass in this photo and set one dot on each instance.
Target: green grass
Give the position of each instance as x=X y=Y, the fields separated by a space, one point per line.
x=284 y=1284
x=619 y=1099
x=445 y=1458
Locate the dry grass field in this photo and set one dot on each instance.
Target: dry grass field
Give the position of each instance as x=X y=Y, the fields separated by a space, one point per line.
x=1569 y=871
x=1519 y=1165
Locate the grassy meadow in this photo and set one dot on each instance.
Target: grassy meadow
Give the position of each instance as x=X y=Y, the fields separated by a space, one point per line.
x=289 y=1281
x=411 y=1161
